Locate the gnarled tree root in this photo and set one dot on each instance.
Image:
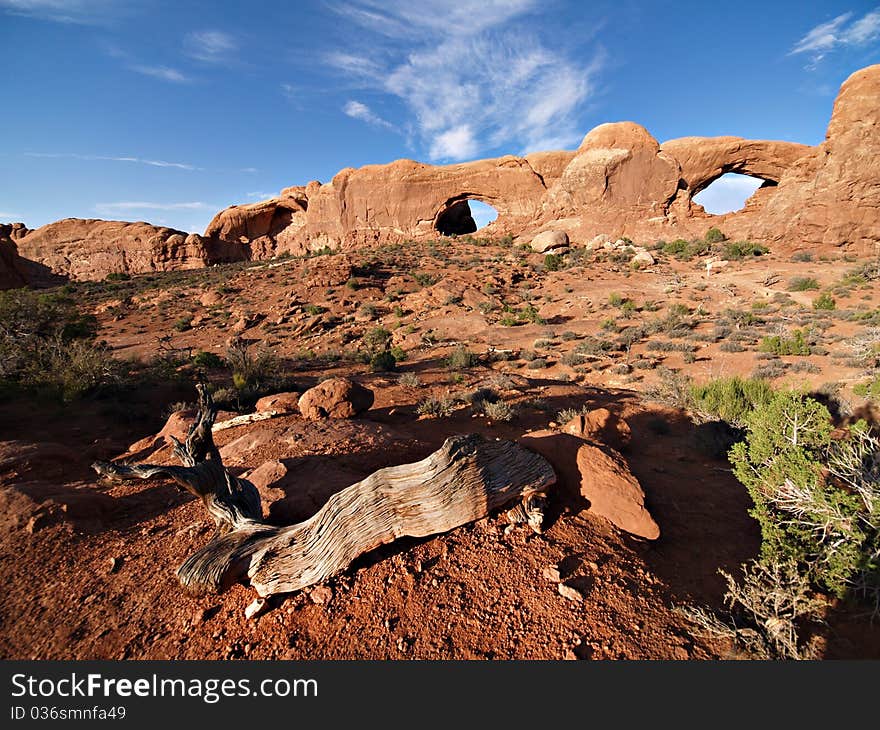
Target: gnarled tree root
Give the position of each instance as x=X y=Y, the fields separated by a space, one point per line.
x=464 y=480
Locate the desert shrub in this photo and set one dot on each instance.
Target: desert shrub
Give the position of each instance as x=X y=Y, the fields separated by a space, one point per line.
x=495 y=410
x=252 y=369
x=47 y=345
x=802 y=283
x=117 y=276
x=183 y=324
x=435 y=407
x=538 y=363
x=673 y=389
x=824 y=301
x=714 y=235
x=742 y=249
x=817 y=499
x=566 y=414
x=731 y=347
x=204 y=359
x=461 y=358
x=802 y=257
x=615 y=299
x=424 y=279
x=376 y=339
x=777 y=345
x=678 y=247
x=593 y=346
x=530 y=314
x=409 y=380
x=314 y=309
x=382 y=361
x=730 y=399
x=553 y=262
x=871 y=389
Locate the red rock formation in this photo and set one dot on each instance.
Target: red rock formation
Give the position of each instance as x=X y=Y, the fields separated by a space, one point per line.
x=11 y=274
x=619 y=181
x=91 y=249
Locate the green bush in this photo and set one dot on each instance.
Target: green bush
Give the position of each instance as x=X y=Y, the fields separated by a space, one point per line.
x=816 y=499
x=553 y=262
x=117 y=276
x=461 y=358
x=677 y=248
x=795 y=345
x=713 y=235
x=824 y=301
x=207 y=360
x=731 y=399
x=383 y=362
x=376 y=339
x=802 y=283
x=47 y=345
x=742 y=249
x=871 y=389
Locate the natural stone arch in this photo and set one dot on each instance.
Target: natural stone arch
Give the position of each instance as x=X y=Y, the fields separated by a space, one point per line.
x=731 y=191
x=454 y=217
x=704 y=159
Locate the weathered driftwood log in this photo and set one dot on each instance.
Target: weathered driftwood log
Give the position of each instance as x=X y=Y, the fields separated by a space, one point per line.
x=464 y=480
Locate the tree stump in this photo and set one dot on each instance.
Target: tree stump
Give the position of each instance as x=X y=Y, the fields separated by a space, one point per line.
x=464 y=480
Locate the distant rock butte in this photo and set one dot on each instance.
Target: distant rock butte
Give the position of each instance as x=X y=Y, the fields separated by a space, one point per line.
x=620 y=181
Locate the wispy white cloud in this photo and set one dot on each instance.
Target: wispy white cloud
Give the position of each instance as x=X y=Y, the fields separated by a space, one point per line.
x=162 y=72
x=210 y=46
x=113 y=208
x=838 y=32
x=12 y=217
x=490 y=83
x=354 y=64
x=249 y=170
x=728 y=193
x=260 y=195
x=402 y=19
x=358 y=110
x=79 y=12
x=113 y=158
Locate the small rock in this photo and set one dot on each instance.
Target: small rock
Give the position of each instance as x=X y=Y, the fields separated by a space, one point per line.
x=115 y=563
x=256 y=608
x=321 y=595
x=569 y=655
x=680 y=653
x=570 y=593
x=551 y=573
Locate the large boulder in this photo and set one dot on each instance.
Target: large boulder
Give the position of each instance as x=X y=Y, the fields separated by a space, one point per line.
x=595 y=477
x=613 y=491
x=335 y=398
x=278 y=403
x=549 y=240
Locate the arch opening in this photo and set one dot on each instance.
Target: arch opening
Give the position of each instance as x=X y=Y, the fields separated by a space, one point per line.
x=462 y=217
x=729 y=192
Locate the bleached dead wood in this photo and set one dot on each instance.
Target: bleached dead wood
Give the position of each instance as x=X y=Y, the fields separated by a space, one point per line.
x=464 y=480
x=243 y=420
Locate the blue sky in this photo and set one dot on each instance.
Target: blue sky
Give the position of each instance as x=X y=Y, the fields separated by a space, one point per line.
x=168 y=111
